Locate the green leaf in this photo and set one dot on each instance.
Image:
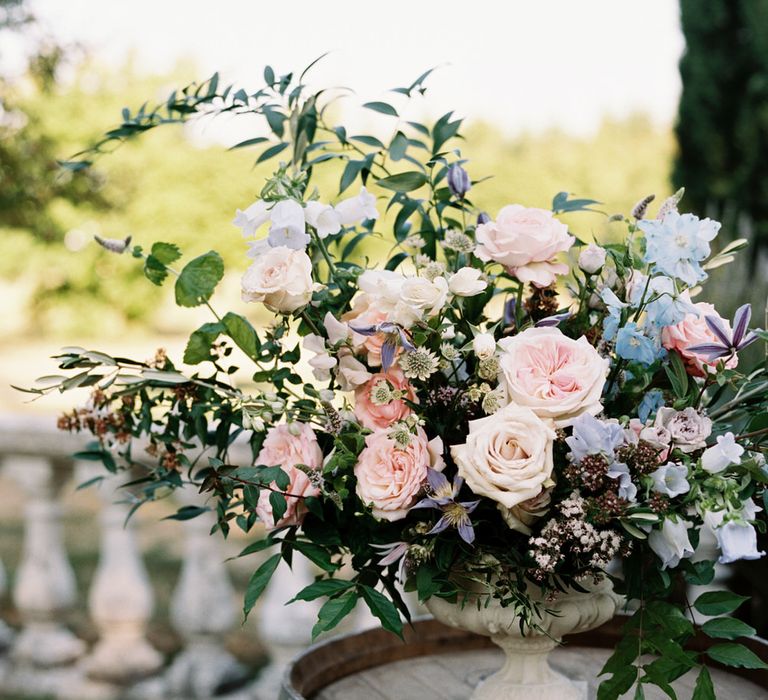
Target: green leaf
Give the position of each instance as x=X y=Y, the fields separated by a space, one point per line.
x=333 y=612
x=316 y=554
x=727 y=628
x=561 y=203
x=618 y=684
x=258 y=582
x=325 y=587
x=279 y=505
x=199 y=344
x=699 y=573
x=243 y=333
x=639 y=692
x=258 y=546
x=249 y=142
x=187 y=513
x=166 y=253
x=704 y=689
x=678 y=377
x=403 y=182
x=154 y=270
x=398 y=147
x=381 y=107
x=368 y=140
x=384 y=609
x=718 y=602
x=198 y=279
x=272 y=151
x=731 y=654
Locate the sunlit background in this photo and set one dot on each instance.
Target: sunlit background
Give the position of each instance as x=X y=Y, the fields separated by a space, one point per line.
x=557 y=95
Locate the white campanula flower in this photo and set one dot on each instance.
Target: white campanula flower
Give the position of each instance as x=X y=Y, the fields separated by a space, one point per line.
x=677 y=244
x=721 y=455
x=737 y=541
x=484 y=345
x=467 y=282
x=670 y=480
x=338 y=331
x=252 y=218
x=351 y=373
x=288 y=225
x=592 y=258
x=671 y=543
x=358 y=208
x=323 y=218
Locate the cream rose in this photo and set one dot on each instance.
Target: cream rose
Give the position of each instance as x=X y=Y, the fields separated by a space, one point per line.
x=281 y=278
x=507 y=456
x=390 y=479
x=526 y=241
x=553 y=375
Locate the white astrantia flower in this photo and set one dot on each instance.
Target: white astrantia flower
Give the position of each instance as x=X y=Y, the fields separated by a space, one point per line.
x=671 y=543
x=670 y=480
x=721 y=455
x=288 y=225
x=323 y=218
x=358 y=208
x=467 y=282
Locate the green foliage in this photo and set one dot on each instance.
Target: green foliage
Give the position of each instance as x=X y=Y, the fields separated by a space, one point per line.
x=258 y=582
x=198 y=279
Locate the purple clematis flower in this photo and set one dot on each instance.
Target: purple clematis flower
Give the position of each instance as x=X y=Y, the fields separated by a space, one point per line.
x=393 y=552
x=443 y=497
x=553 y=320
x=728 y=342
x=396 y=335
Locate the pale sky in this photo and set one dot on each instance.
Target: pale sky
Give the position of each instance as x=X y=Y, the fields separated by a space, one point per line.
x=522 y=64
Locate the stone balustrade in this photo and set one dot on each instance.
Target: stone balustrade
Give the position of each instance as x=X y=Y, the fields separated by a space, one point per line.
x=40 y=656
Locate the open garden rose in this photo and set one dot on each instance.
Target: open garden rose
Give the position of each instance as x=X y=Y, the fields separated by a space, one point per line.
x=373 y=415
x=688 y=430
x=507 y=456
x=286 y=446
x=389 y=478
x=553 y=375
x=526 y=241
x=281 y=278
x=693 y=330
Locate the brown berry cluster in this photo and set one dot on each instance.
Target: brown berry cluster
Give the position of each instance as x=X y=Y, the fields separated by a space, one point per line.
x=590 y=474
x=641 y=458
x=542 y=302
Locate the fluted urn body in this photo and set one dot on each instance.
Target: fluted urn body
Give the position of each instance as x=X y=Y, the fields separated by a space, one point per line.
x=526 y=674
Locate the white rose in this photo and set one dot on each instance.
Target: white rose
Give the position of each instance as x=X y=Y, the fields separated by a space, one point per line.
x=507 y=456
x=671 y=543
x=467 y=282
x=555 y=376
x=323 y=218
x=592 y=258
x=382 y=286
x=484 y=345
x=688 y=430
x=424 y=296
x=281 y=278
x=359 y=208
x=726 y=452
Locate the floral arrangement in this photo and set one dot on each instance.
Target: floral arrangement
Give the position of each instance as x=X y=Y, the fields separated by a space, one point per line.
x=500 y=404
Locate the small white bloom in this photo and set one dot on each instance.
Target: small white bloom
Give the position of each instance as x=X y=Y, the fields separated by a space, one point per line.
x=252 y=218
x=322 y=362
x=359 y=208
x=323 y=218
x=670 y=479
x=671 y=543
x=484 y=345
x=327 y=395
x=419 y=364
x=448 y=333
x=414 y=241
x=592 y=258
x=467 y=282
x=737 y=541
x=351 y=373
x=726 y=452
x=288 y=227
x=338 y=332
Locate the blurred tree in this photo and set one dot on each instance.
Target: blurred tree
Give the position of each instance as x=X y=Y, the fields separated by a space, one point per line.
x=722 y=128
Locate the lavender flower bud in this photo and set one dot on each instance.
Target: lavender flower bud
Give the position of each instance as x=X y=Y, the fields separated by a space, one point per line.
x=638 y=211
x=458 y=181
x=482 y=218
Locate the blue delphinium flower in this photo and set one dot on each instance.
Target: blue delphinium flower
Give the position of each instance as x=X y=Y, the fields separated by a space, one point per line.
x=678 y=243
x=632 y=345
x=442 y=496
x=670 y=480
x=667 y=306
x=612 y=320
x=592 y=436
x=652 y=401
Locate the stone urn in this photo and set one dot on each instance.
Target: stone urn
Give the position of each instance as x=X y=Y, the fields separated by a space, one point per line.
x=526 y=674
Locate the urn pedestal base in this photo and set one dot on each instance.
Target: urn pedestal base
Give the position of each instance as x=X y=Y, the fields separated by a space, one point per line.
x=526 y=674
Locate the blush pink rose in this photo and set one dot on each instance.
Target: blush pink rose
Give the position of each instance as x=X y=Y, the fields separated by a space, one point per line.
x=285 y=449
x=389 y=479
x=555 y=376
x=693 y=330
x=374 y=416
x=525 y=240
